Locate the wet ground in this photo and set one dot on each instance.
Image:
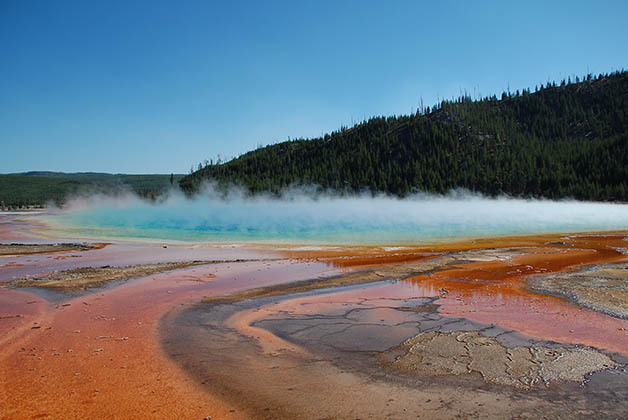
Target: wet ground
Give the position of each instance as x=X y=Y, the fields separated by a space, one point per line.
x=98 y=356
x=338 y=353
x=603 y=288
x=431 y=331
x=467 y=338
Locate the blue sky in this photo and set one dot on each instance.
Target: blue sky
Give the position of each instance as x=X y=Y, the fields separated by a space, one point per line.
x=156 y=86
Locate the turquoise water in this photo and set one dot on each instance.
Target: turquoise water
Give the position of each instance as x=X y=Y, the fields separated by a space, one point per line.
x=333 y=220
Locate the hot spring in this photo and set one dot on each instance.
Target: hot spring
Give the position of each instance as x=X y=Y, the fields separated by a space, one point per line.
x=303 y=218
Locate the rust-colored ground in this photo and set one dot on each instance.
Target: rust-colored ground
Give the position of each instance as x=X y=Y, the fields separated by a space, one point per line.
x=99 y=355
x=495 y=292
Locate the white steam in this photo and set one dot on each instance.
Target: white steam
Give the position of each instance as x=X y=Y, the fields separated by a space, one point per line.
x=299 y=216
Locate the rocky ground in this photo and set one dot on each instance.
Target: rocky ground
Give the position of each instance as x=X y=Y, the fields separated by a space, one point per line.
x=91 y=277
x=603 y=288
x=26 y=249
x=438 y=353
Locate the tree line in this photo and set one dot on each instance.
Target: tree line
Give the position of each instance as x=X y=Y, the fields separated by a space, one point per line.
x=566 y=139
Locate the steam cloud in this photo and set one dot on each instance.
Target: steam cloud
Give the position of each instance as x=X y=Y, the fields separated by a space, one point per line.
x=300 y=216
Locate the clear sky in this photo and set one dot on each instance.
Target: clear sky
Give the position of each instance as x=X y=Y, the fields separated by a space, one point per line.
x=155 y=86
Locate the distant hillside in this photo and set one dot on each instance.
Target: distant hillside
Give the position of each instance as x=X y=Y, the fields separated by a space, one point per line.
x=561 y=140
x=39 y=188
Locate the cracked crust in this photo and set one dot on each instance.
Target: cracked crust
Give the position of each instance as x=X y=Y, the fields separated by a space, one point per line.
x=603 y=288
x=438 y=353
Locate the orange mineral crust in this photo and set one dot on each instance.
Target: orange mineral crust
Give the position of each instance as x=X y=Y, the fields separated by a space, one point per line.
x=374 y=255
x=495 y=292
x=489 y=292
x=99 y=355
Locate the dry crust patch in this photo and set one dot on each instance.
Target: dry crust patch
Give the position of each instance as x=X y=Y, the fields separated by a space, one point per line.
x=602 y=288
x=90 y=277
x=26 y=249
x=456 y=353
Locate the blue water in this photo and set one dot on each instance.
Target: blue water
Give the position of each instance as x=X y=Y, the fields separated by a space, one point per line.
x=303 y=219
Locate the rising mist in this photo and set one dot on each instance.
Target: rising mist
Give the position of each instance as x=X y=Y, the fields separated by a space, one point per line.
x=301 y=216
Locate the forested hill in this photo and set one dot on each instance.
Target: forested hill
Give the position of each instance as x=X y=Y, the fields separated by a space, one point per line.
x=39 y=188
x=566 y=139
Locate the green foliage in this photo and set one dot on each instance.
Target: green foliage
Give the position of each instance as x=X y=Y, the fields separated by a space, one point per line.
x=39 y=188
x=567 y=140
